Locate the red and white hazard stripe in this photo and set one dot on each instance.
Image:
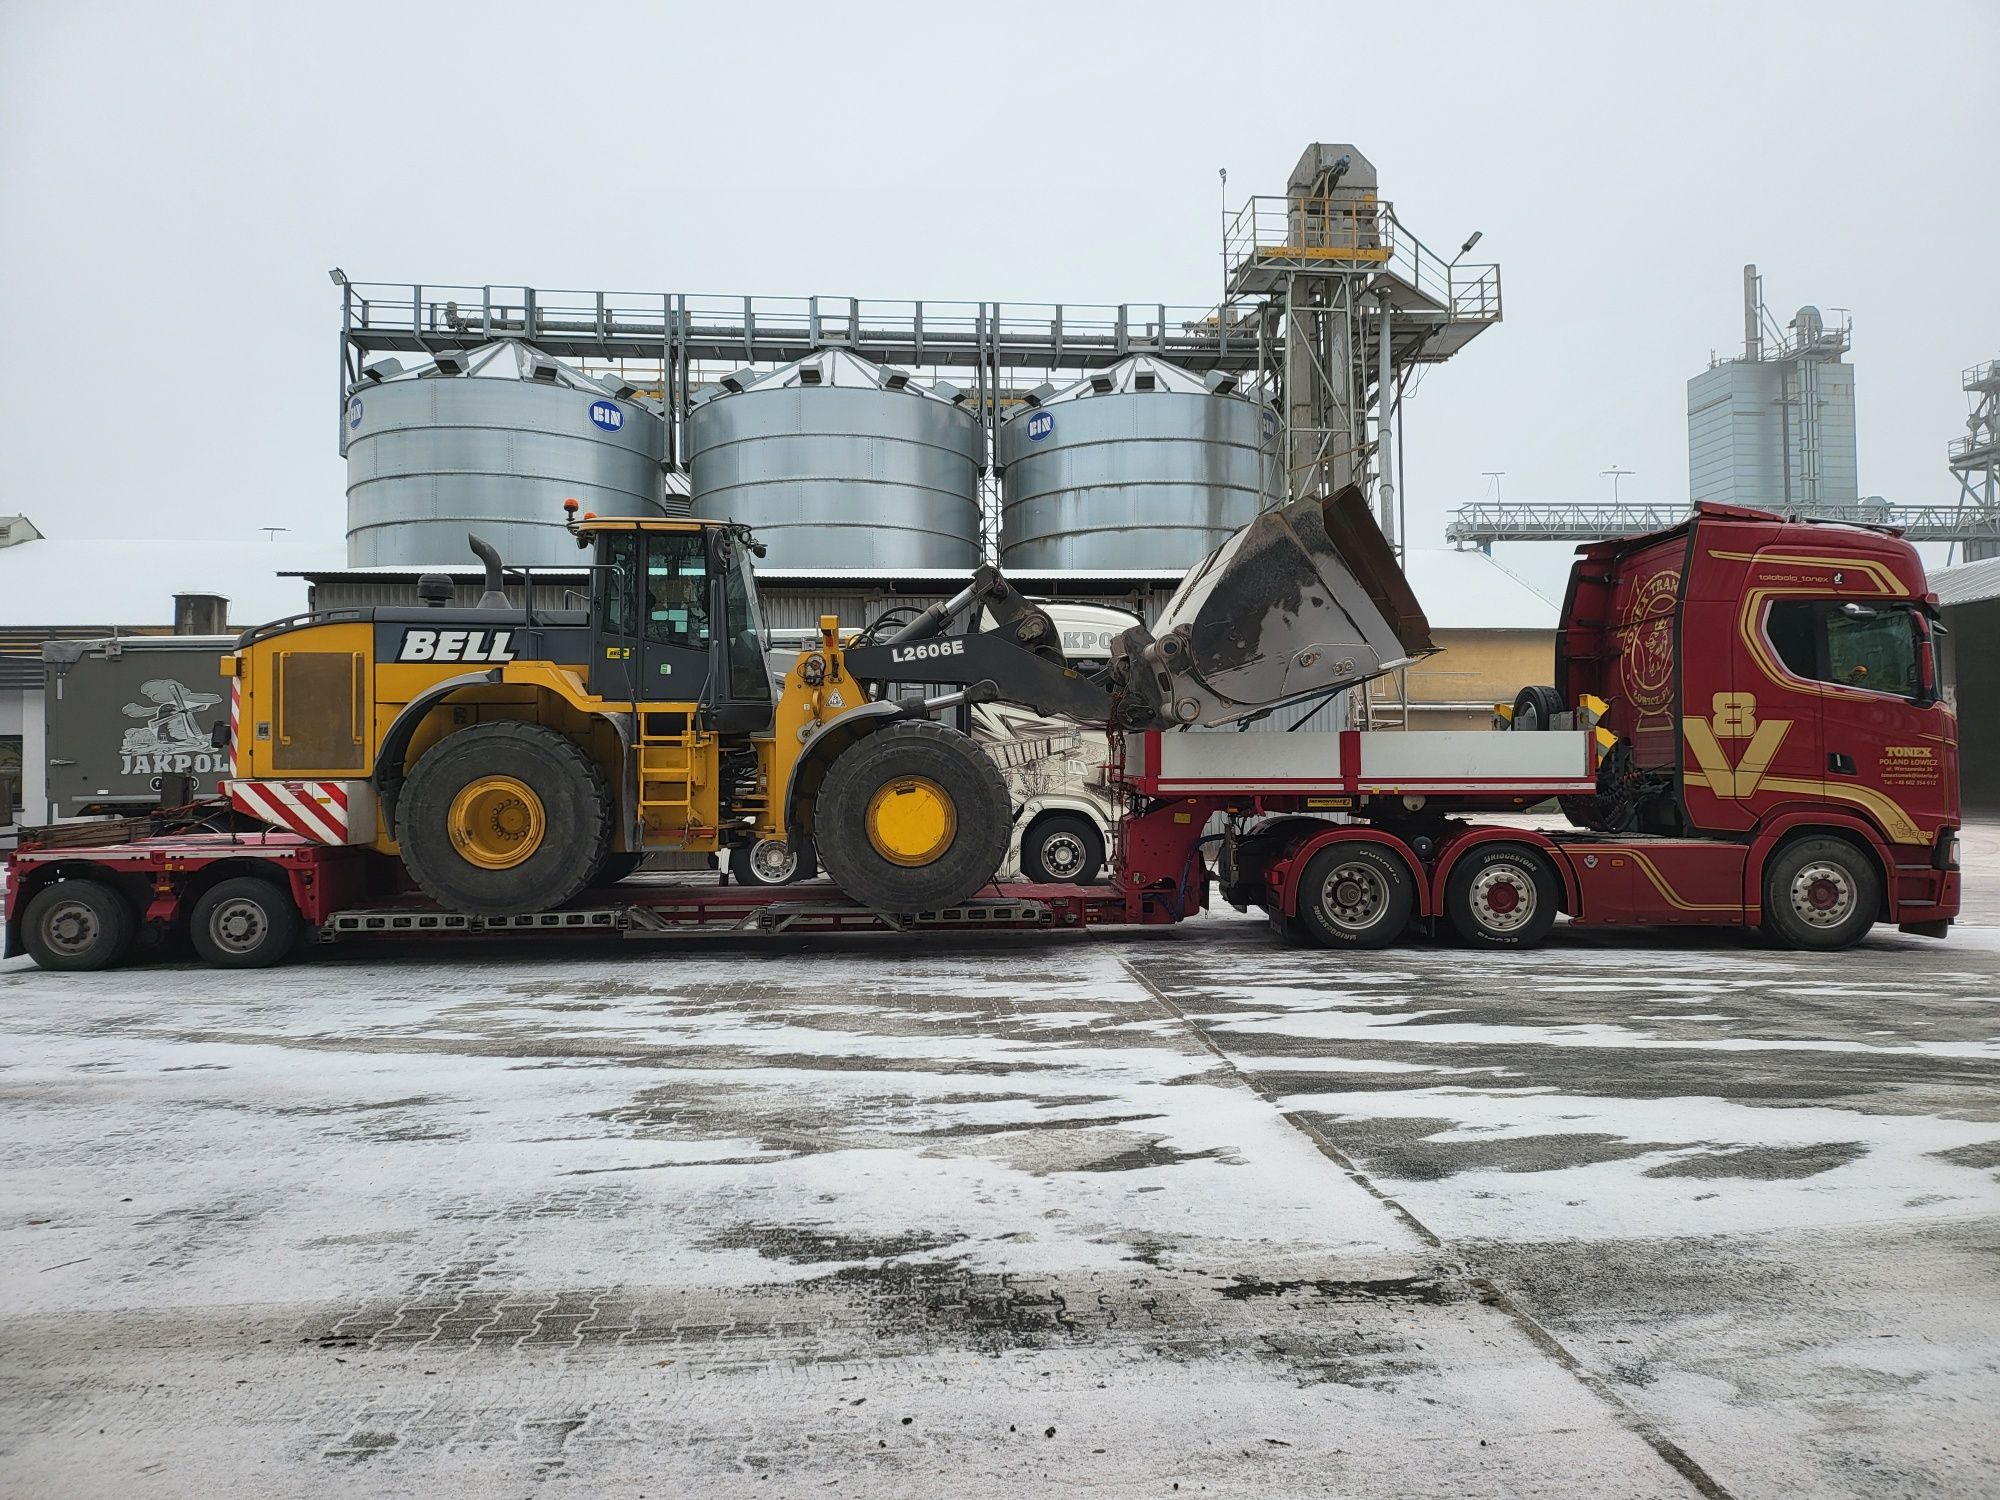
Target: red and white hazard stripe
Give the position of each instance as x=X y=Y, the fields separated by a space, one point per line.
x=235 y=721
x=315 y=809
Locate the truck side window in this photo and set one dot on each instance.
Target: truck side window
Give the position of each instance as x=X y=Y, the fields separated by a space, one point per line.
x=1819 y=640
x=677 y=589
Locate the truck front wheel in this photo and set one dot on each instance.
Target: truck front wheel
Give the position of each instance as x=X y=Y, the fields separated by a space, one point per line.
x=1062 y=849
x=1355 y=895
x=1820 y=893
x=78 y=925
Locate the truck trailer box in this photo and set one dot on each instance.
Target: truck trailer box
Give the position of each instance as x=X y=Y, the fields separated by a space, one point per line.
x=128 y=718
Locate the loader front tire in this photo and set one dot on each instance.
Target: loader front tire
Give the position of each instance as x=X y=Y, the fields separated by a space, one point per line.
x=912 y=818
x=504 y=819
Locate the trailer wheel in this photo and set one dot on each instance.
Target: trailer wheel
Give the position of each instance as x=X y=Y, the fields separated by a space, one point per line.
x=1355 y=895
x=773 y=862
x=912 y=818
x=1062 y=849
x=76 y=925
x=1820 y=893
x=504 y=818
x=245 y=923
x=1502 y=896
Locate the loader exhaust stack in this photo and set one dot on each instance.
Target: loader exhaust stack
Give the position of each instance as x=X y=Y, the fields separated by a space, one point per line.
x=1305 y=600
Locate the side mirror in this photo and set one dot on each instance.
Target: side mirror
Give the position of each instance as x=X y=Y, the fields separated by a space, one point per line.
x=1929 y=690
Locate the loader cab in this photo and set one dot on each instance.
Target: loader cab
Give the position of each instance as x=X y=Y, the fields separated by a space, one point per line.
x=677 y=621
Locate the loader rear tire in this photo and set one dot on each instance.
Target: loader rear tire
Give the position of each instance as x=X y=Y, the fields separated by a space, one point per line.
x=504 y=819
x=912 y=818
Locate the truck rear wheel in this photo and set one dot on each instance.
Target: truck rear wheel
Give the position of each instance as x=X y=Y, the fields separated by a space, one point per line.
x=1502 y=896
x=77 y=925
x=245 y=923
x=1062 y=849
x=1820 y=893
x=502 y=819
x=912 y=818
x=1355 y=895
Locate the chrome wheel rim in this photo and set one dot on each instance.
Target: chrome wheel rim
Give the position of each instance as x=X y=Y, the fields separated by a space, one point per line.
x=1503 y=898
x=1823 y=895
x=1353 y=896
x=773 y=862
x=1062 y=855
x=238 y=926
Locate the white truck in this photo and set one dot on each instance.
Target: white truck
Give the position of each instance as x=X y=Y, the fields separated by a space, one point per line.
x=1056 y=772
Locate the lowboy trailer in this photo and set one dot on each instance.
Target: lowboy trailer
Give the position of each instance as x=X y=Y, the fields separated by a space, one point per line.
x=1746 y=729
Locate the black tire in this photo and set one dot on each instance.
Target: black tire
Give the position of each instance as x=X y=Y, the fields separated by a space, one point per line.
x=1820 y=893
x=1062 y=849
x=1355 y=895
x=917 y=758
x=1536 y=707
x=1502 y=896
x=770 y=862
x=617 y=867
x=245 y=923
x=78 y=925
x=573 y=841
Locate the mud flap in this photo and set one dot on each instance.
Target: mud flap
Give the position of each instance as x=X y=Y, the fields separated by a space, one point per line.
x=1304 y=600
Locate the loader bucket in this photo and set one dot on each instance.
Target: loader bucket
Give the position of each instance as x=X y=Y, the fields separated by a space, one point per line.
x=1304 y=600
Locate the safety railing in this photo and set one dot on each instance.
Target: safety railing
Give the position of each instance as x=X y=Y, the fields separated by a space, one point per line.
x=1353 y=232
x=1343 y=228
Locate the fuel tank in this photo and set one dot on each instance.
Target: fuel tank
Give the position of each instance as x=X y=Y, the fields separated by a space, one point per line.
x=1305 y=600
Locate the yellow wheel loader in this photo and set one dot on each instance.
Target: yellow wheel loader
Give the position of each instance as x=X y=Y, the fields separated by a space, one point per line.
x=513 y=756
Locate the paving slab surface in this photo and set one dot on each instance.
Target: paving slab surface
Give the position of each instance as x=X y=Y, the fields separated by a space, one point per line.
x=1184 y=1212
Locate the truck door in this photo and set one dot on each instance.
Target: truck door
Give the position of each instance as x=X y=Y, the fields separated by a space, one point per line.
x=1884 y=736
x=653 y=617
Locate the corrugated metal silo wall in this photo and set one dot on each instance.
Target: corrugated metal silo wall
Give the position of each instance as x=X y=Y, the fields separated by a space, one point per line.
x=1743 y=439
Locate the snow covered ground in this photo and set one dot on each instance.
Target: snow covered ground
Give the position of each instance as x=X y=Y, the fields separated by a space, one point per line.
x=1120 y=1215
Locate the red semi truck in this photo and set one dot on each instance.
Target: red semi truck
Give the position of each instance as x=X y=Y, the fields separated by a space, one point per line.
x=1746 y=729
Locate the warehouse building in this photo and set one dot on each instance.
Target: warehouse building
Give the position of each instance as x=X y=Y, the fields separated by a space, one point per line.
x=1970 y=598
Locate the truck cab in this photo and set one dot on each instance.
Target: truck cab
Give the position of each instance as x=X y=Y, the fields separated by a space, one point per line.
x=1764 y=675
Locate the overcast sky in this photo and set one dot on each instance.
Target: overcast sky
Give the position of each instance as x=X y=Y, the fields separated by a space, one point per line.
x=176 y=180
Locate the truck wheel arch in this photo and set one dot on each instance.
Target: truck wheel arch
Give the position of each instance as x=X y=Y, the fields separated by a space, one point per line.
x=1789 y=828
x=1301 y=855
x=1550 y=851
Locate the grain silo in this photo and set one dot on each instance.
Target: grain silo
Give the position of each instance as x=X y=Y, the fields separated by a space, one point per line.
x=838 y=462
x=492 y=440
x=1138 y=465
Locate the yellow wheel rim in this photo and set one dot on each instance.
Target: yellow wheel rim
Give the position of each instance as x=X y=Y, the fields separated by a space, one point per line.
x=911 y=820
x=496 y=822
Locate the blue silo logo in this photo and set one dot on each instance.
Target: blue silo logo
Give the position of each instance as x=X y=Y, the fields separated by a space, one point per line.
x=354 y=412
x=1040 y=425
x=607 y=414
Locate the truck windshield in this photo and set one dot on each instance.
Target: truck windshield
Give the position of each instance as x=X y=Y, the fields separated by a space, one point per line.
x=1819 y=639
